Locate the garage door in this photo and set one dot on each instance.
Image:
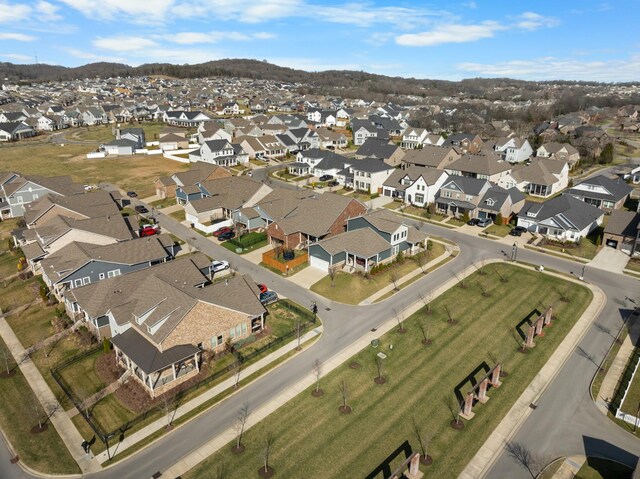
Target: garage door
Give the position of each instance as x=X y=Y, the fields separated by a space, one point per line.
x=319 y=263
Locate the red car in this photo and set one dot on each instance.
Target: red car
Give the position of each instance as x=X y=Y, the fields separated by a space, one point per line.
x=262 y=287
x=219 y=231
x=148 y=231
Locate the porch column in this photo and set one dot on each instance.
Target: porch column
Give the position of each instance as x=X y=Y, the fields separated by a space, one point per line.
x=366 y=264
x=467 y=409
x=173 y=369
x=530 y=333
x=495 y=376
x=482 y=391
x=547 y=316
x=539 y=324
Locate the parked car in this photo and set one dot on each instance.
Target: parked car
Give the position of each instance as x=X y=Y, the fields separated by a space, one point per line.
x=148 y=230
x=517 y=231
x=141 y=209
x=326 y=177
x=132 y=194
x=262 y=287
x=484 y=222
x=473 y=221
x=333 y=183
x=227 y=235
x=268 y=297
x=219 y=231
x=219 y=266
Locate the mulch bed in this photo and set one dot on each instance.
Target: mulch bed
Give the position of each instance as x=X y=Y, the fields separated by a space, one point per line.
x=456 y=424
x=38 y=429
x=317 y=393
x=345 y=409
x=268 y=472
x=106 y=368
x=380 y=380
x=354 y=365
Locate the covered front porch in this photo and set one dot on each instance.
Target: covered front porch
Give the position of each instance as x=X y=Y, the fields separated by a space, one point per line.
x=539 y=190
x=158 y=371
x=454 y=208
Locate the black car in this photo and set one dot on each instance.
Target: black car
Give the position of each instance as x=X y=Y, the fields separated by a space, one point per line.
x=141 y=209
x=227 y=235
x=473 y=222
x=517 y=231
x=326 y=177
x=333 y=183
x=132 y=194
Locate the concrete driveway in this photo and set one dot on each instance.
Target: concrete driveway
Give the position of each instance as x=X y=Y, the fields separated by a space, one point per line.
x=610 y=259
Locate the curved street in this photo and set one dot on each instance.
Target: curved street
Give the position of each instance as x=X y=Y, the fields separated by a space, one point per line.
x=565 y=422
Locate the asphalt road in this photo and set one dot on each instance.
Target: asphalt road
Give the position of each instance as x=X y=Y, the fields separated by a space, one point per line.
x=565 y=414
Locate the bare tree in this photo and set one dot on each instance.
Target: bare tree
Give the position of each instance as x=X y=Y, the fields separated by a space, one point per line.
x=394 y=277
x=451 y=319
x=399 y=315
x=317 y=372
x=422 y=259
x=267 y=446
x=462 y=279
x=480 y=268
x=451 y=401
x=424 y=329
x=38 y=413
x=50 y=409
x=169 y=406
x=238 y=371
x=6 y=356
x=503 y=279
x=524 y=457
x=424 y=438
x=426 y=300
x=485 y=292
x=332 y=271
x=241 y=422
x=344 y=392
x=380 y=379
x=298 y=333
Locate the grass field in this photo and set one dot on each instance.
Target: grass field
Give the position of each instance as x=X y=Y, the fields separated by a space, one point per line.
x=632 y=400
x=135 y=173
x=354 y=288
x=598 y=468
x=498 y=230
x=587 y=247
x=313 y=437
x=44 y=452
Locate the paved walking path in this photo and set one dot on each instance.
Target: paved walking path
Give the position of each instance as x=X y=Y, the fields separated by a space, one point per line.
x=418 y=271
x=229 y=383
x=616 y=370
x=481 y=463
x=570 y=467
x=61 y=421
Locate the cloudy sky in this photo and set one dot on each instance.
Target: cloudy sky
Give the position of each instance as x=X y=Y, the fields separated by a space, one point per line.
x=542 y=40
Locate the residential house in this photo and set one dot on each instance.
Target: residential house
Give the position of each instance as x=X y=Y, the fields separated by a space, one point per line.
x=414 y=138
x=513 y=149
x=381 y=149
x=185 y=118
x=414 y=185
x=497 y=200
x=369 y=174
x=331 y=139
x=363 y=129
x=161 y=319
x=465 y=142
x=219 y=152
x=460 y=195
x=485 y=167
x=212 y=131
x=559 y=151
x=134 y=134
x=199 y=172
x=430 y=156
x=602 y=192
x=313 y=218
x=78 y=264
x=16 y=131
x=88 y=205
x=622 y=232
x=563 y=218
x=120 y=147
x=370 y=240
x=542 y=177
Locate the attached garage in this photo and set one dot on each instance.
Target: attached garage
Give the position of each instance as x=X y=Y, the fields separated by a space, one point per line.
x=319 y=263
x=612 y=243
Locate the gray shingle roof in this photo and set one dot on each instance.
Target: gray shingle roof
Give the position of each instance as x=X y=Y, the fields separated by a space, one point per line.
x=617 y=188
x=623 y=223
x=567 y=211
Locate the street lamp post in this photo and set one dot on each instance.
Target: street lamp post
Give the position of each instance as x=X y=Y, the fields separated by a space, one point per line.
x=582 y=274
x=514 y=252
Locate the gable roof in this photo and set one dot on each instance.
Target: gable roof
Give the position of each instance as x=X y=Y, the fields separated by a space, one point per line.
x=566 y=211
x=496 y=196
x=90 y=205
x=431 y=156
x=466 y=184
x=429 y=175
x=480 y=164
x=617 y=188
x=377 y=148
x=623 y=223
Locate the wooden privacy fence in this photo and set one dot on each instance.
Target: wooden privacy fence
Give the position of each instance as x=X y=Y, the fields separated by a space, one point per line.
x=269 y=259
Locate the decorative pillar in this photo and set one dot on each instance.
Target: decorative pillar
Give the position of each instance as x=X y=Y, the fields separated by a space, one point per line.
x=495 y=376
x=482 y=391
x=173 y=368
x=414 y=467
x=530 y=333
x=547 y=316
x=195 y=358
x=539 y=323
x=467 y=409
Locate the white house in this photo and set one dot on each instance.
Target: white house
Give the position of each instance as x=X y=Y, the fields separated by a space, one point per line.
x=370 y=174
x=414 y=185
x=514 y=150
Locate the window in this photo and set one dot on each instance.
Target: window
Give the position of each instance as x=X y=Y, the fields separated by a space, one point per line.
x=77 y=283
x=220 y=340
x=447 y=194
x=113 y=273
x=86 y=280
x=244 y=328
x=101 y=276
x=232 y=333
x=238 y=330
x=419 y=198
x=468 y=198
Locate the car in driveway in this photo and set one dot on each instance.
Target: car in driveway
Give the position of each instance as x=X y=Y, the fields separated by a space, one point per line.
x=326 y=178
x=333 y=183
x=219 y=231
x=141 y=209
x=149 y=230
x=227 y=235
x=268 y=297
x=484 y=222
x=473 y=221
x=132 y=194
x=217 y=266
x=262 y=287
x=517 y=231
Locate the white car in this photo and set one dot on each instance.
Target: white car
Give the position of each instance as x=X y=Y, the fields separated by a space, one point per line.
x=219 y=266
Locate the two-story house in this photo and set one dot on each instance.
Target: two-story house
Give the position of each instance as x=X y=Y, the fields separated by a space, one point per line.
x=542 y=177
x=485 y=167
x=460 y=195
x=430 y=156
x=622 y=232
x=414 y=185
x=559 y=151
x=602 y=192
x=513 y=149
x=381 y=149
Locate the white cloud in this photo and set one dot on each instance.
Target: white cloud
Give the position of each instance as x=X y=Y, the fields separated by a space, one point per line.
x=132 y=11
x=17 y=56
x=454 y=33
x=19 y=37
x=13 y=12
x=47 y=12
x=551 y=68
x=123 y=43
x=534 y=21
x=190 y=38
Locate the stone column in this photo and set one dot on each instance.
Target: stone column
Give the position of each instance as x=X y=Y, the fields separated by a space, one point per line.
x=414 y=467
x=467 y=409
x=547 y=316
x=495 y=376
x=173 y=368
x=539 y=323
x=529 y=342
x=482 y=391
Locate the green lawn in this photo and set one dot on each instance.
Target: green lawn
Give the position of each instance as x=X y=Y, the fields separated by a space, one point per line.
x=44 y=452
x=248 y=242
x=632 y=400
x=163 y=203
x=33 y=325
x=498 y=230
x=178 y=215
x=634 y=265
x=455 y=222
x=312 y=436
x=82 y=376
x=586 y=248
x=354 y=288
x=598 y=468
x=16 y=292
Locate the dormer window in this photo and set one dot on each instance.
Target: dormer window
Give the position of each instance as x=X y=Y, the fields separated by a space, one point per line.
x=491 y=202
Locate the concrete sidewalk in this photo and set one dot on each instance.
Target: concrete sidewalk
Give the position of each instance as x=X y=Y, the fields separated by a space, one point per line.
x=570 y=467
x=229 y=383
x=488 y=453
x=616 y=370
x=61 y=421
x=418 y=271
